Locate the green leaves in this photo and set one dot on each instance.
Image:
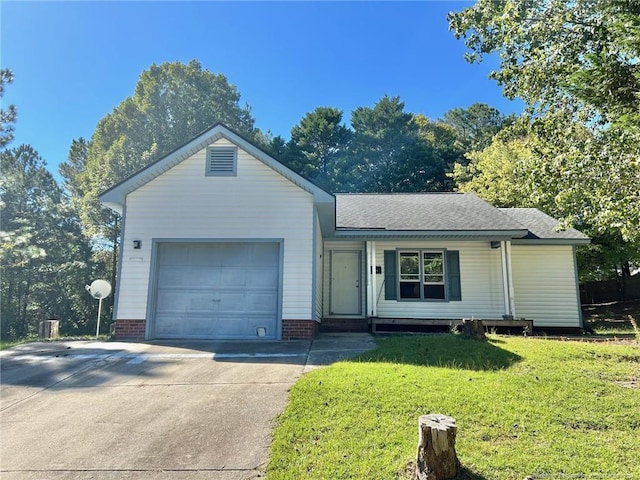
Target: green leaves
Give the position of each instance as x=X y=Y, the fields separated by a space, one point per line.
x=8 y=116
x=575 y=64
x=46 y=260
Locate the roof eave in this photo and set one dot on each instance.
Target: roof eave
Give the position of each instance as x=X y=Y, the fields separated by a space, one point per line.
x=438 y=234
x=551 y=241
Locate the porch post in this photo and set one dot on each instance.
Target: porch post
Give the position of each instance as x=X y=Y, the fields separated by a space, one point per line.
x=507 y=280
x=512 y=300
x=368 y=268
x=374 y=282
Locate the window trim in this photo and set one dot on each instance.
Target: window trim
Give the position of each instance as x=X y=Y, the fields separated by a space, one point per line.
x=421 y=274
x=228 y=173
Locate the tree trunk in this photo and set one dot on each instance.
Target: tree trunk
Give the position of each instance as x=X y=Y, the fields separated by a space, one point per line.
x=436 y=459
x=473 y=328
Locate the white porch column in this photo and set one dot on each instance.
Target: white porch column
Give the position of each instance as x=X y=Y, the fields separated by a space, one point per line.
x=370 y=291
x=374 y=282
x=512 y=299
x=507 y=278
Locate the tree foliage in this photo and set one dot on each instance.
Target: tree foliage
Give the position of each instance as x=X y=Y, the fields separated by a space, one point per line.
x=46 y=261
x=495 y=173
x=319 y=146
x=575 y=64
x=8 y=116
x=476 y=126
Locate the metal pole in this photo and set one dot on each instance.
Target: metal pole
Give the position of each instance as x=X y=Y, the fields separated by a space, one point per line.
x=99 y=312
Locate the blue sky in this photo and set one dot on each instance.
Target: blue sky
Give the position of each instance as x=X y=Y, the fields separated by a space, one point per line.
x=75 y=61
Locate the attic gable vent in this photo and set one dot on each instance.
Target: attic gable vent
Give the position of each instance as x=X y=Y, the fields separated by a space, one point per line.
x=222 y=161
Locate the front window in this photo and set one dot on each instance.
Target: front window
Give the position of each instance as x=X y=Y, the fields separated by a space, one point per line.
x=422 y=275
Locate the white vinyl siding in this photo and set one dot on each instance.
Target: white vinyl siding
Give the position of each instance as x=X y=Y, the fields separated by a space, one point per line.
x=545 y=285
x=340 y=245
x=480 y=275
x=182 y=203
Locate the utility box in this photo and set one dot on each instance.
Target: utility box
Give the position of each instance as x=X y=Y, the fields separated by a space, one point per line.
x=50 y=328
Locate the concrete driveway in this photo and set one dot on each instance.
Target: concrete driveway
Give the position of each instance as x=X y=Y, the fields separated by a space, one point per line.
x=108 y=410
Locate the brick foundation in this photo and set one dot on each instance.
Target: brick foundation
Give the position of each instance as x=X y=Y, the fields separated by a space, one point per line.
x=129 y=329
x=299 y=329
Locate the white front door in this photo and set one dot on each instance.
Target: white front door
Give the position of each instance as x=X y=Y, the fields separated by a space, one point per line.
x=345 y=283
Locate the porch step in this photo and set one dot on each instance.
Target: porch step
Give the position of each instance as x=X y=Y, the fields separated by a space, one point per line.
x=346 y=325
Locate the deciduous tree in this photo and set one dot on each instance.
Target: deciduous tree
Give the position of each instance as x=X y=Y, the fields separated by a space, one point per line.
x=575 y=64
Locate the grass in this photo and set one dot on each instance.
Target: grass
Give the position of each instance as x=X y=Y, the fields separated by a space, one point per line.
x=523 y=406
x=4 y=344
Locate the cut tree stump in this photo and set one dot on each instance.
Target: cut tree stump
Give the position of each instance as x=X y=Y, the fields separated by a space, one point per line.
x=473 y=328
x=437 y=459
x=50 y=329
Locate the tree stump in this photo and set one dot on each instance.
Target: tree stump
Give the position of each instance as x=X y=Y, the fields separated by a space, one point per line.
x=473 y=328
x=50 y=328
x=437 y=459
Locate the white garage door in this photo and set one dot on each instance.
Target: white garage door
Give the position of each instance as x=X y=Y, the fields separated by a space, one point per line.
x=217 y=291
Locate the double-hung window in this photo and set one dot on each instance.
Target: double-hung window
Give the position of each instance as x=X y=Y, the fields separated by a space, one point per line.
x=422 y=275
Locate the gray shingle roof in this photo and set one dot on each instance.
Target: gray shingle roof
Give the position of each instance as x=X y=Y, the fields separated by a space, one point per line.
x=446 y=212
x=541 y=226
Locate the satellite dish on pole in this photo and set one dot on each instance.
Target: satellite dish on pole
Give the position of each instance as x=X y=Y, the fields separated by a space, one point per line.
x=99 y=289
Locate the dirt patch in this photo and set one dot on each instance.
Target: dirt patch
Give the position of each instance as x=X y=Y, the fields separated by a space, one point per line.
x=612 y=311
x=630 y=384
x=614 y=316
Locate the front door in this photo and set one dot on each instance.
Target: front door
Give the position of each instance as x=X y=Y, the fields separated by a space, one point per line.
x=345 y=283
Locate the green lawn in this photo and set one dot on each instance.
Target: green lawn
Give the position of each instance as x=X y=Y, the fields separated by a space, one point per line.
x=524 y=406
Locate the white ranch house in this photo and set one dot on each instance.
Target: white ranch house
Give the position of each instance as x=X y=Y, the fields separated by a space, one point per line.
x=221 y=241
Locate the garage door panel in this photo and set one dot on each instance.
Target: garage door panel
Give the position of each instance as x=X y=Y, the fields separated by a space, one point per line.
x=233 y=276
x=262 y=277
x=201 y=302
x=217 y=290
x=262 y=302
x=231 y=326
x=204 y=277
x=235 y=255
x=168 y=325
x=231 y=301
x=185 y=277
x=254 y=322
x=204 y=256
x=172 y=302
x=173 y=276
x=178 y=255
x=265 y=255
